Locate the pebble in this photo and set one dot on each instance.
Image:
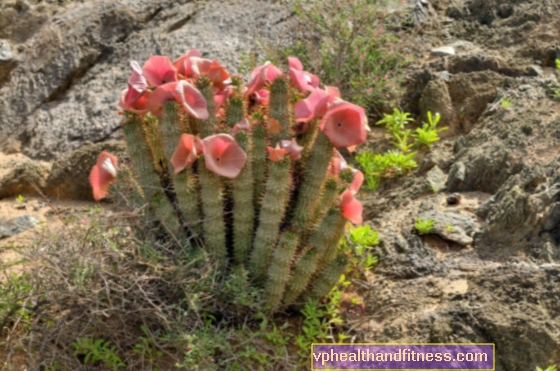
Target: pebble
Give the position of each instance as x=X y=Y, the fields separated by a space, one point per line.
x=443 y=51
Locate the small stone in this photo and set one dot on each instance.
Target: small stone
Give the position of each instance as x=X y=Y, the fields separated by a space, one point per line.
x=451 y=226
x=435 y=179
x=17 y=225
x=453 y=199
x=443 y=51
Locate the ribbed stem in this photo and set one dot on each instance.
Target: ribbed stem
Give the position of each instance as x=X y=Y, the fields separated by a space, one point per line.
x=213 y=210
x=235 y=111
x=319 y=240
x=279 y=271
x=327 y=197
x=207 y=127
x=331 y=247
x=243 y=207
x=279 y=108
x=313 y=176
x=170 y=130
x=271 y=215
x=259 y=161
x=188 y=200
x=144 y=168
x=305 y=266
x=328 y=278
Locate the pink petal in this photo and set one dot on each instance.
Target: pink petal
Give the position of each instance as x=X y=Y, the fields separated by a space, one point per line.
x=158 y=70
x=241 y=125
x=260 y=76
x=218 y=74
x=305 y=109
x=137 y=81
x=276 y=154
x=351 y=208
x=183 y=63
x=262 y=97
x=139 y=105
x=356 y=184
x=200 y=66
x=102 y=175
x=295 y=63
x=185 y=154
x=293 y=150
x=191 y=99
x=333 y=91
x=345 y=124
x=338 y=163
x=303 y=80
x=160 y=96
x=223 y=156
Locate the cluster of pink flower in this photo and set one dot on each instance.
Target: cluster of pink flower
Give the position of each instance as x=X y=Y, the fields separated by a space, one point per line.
x=161 y=80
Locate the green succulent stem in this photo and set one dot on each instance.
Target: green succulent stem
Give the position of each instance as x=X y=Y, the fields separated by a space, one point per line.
x=328 y=278
x=213 y=210
x=207 y=127
x=313 y=177
x=259 y=160
x=243 y=207
x=279 y=271
x=321 y=237
x=235 y=111
x=279 y=108
x=330 y=192
x=271 y=214
x=144 y=167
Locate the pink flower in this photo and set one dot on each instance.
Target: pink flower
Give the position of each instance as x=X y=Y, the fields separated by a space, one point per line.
x=301 y=79
x=242 y=125
x=102 y=175
x=351 y=208
x=276 y=154
x=338 y=163
x=293 y=150
x=137 y=84
x=260 y=76
x=262 y=97
x=158 y=70
x=185 y=154
x=191 y=99
x=183 y=93
x=316 y=104
x=183 y=63
x=139 y=106
x=345 y=125
x=223 y=156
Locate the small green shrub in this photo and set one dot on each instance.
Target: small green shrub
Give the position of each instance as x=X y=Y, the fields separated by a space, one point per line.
x=428 y=133
x=551 y=367
x=506 y=103
x=395 y=122
x=355 y=54
x=98 y=351
x=424 y=226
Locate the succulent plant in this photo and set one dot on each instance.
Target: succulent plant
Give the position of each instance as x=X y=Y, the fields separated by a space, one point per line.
x=202 y=143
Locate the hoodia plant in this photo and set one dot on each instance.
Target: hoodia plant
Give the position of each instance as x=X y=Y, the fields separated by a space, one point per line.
x=202 y=142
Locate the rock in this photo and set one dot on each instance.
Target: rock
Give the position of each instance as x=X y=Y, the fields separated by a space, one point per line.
x=69 y=176
x=451 y=226
x=552 y=219
x=435 y=179
x=443 y=51
x=8 y=60
x=479 y=169
x=22 y=178
x=65 y=87
x=435 y=98
x=10 y=146
x=17 y=225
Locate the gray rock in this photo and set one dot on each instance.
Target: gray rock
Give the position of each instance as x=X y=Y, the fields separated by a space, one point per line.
x=451 y=225
x=65 y=87
x=435 y=179
x=22 y=178
x=17 y=225
x=552 y=219
x=435 y=98
x=443 y=51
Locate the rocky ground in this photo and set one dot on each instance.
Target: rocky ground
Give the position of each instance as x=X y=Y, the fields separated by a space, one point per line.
x=489 y=273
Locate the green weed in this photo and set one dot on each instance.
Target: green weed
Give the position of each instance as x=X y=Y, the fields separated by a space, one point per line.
x=424 y=226
x=428 y=133
x=99 y=350
x=551 y=367
x=506 y=103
